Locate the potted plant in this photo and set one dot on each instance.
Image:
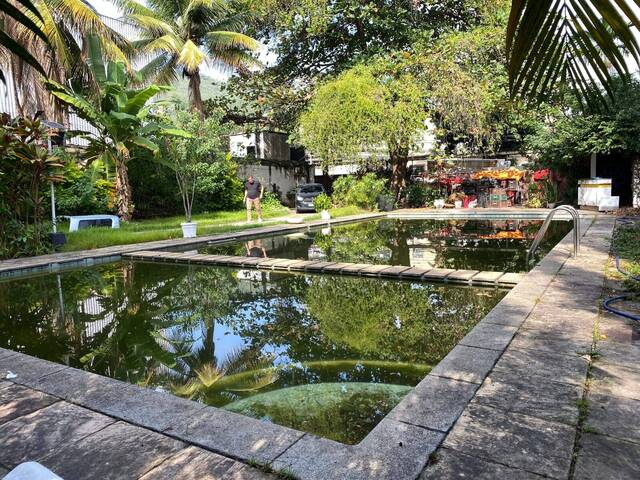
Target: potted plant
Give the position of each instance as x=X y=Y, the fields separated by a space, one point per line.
x=187 y=178
x=551 y=193
x=322 y=204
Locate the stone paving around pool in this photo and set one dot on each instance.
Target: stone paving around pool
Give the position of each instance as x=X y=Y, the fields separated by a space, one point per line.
x=77 y=443
x=548 y=408
x=521 y=396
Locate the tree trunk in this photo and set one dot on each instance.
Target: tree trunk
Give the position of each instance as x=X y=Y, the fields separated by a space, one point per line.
x=195 y=96
x=399 y=159
x=123 y=190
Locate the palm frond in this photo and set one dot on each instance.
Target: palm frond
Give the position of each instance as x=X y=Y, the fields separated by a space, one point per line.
x=234 y=58
x=577 y=42
x=225 y=40
x=160 y=70
x=211 y=8
x=208 y=374
x=151 y=24
x=191 y=57
x=166 y=43
x=25 y=18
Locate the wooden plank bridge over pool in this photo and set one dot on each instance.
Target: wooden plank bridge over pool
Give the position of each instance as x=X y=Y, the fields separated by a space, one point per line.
x=465 y=277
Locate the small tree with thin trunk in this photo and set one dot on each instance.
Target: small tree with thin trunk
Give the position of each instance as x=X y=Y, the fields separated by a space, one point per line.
x=189 y=156
x=368 y=115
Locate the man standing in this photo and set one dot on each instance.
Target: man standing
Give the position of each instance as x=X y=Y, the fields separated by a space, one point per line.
x=253 y=191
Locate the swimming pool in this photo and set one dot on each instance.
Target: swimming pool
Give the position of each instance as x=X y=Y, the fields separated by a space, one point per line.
x=494 y=245
x=319 y=353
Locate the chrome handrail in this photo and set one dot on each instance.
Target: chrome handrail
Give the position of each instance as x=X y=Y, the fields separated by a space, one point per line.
x=543 y=230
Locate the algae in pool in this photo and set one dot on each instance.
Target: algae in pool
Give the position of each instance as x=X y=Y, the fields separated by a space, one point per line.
x=324 y=354
x=496 y=245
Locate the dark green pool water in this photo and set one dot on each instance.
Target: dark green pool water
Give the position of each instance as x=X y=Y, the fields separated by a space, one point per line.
x=459 y=244
x=327 y=355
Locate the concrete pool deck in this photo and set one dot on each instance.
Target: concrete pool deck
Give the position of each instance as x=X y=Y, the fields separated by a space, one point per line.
x=507 y=402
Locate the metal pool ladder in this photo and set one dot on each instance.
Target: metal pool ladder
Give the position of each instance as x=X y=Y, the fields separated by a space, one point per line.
x=543 y=230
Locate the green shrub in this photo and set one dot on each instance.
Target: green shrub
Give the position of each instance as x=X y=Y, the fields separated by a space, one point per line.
x=26 y=170
x=84 y=191
x=154 y=189
x=218 y=186
x=361 y=192
x=421 y=195
x=270 y=200
x=341 y=188
x=322 y=202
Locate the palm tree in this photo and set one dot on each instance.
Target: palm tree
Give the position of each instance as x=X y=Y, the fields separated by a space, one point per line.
x=59 y=50
x=182 y=35
x=570 y=42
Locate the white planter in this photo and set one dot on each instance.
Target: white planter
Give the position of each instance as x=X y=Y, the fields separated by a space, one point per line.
x=458 y=203
x=438 y=203
x=189 y=229
x=325 y=215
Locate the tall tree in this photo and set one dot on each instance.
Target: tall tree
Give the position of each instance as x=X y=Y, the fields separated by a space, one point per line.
x=367 y=115
x=182 y=35
x=317 y=37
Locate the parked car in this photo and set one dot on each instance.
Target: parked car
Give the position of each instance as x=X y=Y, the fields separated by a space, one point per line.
x=305 y=194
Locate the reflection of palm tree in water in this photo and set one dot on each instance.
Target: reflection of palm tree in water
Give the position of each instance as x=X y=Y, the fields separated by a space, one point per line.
x=200 y=376
x=256 y=249
x=207 y=298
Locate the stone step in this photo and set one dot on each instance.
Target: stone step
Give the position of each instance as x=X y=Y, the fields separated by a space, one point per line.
x=466 y=277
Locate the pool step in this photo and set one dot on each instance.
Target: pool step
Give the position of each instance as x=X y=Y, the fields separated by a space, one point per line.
x=465 y=277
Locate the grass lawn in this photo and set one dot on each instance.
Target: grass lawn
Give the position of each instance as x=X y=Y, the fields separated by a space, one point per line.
x=169 y=227
x=626 y=241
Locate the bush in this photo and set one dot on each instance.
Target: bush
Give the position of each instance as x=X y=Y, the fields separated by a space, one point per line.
x=218 y=186
x=271 y=200
x=26 y=169
x=421 y=195
x=155 y=192
x=84 y=191
x=322 y=202
x=341 y=188
x=361 y=192
x=154 y=189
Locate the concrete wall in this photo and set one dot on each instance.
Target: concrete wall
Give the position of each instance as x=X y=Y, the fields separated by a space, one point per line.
x=285 y=178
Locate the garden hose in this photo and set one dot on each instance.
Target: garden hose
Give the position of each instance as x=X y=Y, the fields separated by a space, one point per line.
x=607 y=303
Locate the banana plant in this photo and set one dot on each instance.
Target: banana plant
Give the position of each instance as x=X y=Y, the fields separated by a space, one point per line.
x=122 y=119
x=583 y=44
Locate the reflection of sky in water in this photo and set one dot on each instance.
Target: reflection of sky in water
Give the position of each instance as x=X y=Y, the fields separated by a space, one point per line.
x=227 y=341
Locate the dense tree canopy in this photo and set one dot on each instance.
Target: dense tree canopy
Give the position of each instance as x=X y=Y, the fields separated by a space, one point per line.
x=563 y=136
x=366 y=115
x=313 y=38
